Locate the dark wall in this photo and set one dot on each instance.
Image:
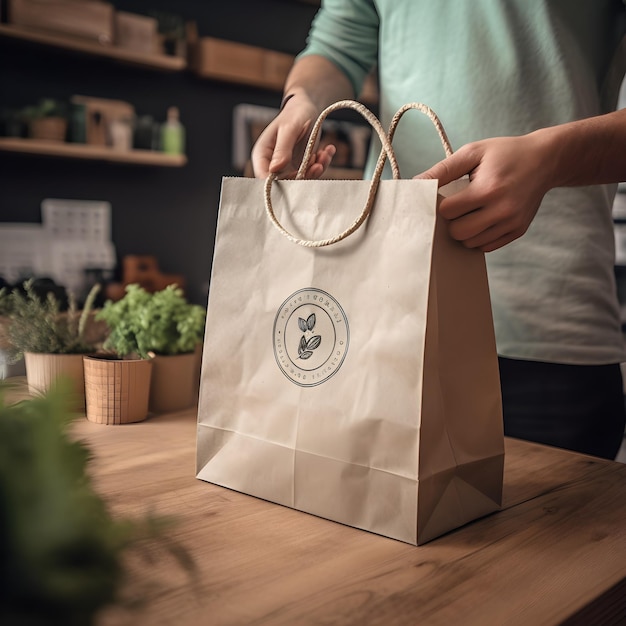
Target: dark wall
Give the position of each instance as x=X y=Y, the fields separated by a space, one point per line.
x=167 y=212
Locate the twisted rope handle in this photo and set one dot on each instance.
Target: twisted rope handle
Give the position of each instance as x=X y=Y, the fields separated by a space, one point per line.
x=426 y=110
x=386 y=152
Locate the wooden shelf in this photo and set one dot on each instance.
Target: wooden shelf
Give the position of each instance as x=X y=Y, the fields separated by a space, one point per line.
x=230 y=61
x=94 y=153
x=160 y=62
x=214 y=59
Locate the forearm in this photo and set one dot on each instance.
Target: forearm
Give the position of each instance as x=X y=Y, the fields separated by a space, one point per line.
x=318 y=80
x=587 y=152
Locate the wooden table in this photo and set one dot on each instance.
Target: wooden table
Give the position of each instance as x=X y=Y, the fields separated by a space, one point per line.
x=555 y=554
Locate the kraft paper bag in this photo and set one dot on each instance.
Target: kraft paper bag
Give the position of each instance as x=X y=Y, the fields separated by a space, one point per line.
x=351 y=377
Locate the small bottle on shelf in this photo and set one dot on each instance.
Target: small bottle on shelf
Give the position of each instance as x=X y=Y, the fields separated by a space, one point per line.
x=173 y=133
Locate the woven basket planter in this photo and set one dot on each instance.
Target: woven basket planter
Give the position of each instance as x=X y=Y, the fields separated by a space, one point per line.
x=117 y=391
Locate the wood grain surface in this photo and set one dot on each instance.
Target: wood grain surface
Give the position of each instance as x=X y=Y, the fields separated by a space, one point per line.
x=555 y=554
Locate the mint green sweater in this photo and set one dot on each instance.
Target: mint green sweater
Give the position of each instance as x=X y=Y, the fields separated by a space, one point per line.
x=505 y=67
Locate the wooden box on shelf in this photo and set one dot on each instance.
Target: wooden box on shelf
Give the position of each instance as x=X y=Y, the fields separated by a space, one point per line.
x=242 y=63
x=137 y=32
x=100 y=114
x=88 y=19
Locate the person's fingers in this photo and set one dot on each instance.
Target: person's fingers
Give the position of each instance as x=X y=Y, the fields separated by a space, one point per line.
x=470 y=226
x=490 y=227
x=321 y=161
x=314 y=171
x=462 y=202
x=501 y=241
x=473 y=232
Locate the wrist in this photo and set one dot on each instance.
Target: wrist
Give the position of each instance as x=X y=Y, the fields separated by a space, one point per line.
x=303 y=97
x=554 y=156
x=285 y=99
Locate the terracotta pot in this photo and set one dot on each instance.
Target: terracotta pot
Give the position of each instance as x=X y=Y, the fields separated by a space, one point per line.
x=174 y=383
x=48 y=128
x=43 y=370
x=117 y=391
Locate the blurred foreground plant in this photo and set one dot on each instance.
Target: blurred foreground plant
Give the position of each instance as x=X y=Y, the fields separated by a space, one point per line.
x=61 y=551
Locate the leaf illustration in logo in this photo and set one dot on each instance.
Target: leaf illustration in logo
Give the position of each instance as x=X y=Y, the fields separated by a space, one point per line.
x=305 y=349
x=310 y=322
x=302 y=325
x=302 y=348
x=313 y=342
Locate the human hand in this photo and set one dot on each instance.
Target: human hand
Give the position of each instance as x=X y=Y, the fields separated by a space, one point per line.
x=509 y=177
x=280 y=147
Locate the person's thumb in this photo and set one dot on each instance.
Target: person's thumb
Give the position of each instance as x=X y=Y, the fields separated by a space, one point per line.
x=451 y=168
x=280 y=159
x=286 y=140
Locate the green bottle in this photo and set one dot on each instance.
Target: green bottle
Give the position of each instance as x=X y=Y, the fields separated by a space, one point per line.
x=173 y=133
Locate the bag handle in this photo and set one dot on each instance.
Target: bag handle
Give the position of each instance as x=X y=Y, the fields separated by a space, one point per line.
x=385 y=140
x=432 y=116
x=386 y=152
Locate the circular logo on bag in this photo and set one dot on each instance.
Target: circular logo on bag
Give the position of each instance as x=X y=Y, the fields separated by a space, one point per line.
x=311 y=337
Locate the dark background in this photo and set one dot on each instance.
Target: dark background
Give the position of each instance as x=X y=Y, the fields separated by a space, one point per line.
x=167 y=212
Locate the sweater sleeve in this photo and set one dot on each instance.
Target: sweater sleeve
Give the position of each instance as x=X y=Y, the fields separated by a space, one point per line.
x=346 y=33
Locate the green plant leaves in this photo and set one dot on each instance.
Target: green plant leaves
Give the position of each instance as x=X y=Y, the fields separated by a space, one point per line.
x=38 y=325
x=162 y=322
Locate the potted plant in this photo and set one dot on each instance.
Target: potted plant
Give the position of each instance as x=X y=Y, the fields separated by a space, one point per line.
x=63 y=553
x=51 y=340
x=117 y=379
x=165 y=327
x=46 y=120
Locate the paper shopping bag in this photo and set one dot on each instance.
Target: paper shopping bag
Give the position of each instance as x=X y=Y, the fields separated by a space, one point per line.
x=352 y=377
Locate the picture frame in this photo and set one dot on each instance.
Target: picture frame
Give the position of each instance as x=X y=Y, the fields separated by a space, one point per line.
x=351 y=140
